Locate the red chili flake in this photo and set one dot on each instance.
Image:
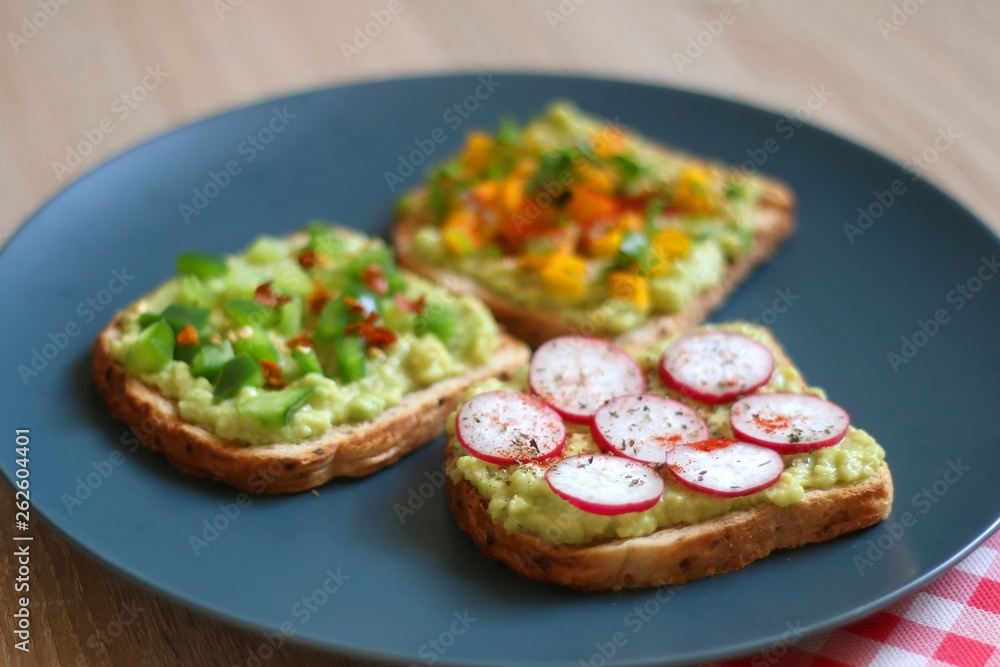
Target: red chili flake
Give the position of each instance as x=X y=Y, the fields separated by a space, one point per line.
x=711 y=445
x=373 y=335
x=302 y=340
x=319 y=297
x=272 y=374
x=374 y=279
x=354 y=306
x=188 y=335
x=408 y=306
x=307 y=259
x=672 y=439
x=772 y=424
x=265 y=296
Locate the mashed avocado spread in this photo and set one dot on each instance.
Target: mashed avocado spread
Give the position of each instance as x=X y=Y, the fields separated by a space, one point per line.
x=579 y=216
x=298 y=334
x=520 y=498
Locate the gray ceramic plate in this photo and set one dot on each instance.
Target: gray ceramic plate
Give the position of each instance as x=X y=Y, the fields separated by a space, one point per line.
x=347 y=570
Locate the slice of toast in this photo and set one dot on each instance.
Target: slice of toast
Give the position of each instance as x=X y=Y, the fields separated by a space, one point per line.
x=677 y=553
x=769 y=220
x=250 y=434
x=346 y=450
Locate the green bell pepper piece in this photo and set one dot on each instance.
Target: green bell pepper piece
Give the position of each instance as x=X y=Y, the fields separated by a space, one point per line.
x=258 y=345
x=240 y=371
x=201 y=265
x=152 y=350
x=208 y=361
x=307 y=360
x=243 y=312
x=275 y=408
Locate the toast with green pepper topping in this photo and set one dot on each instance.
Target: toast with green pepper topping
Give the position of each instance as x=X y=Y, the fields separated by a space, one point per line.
x=305 y=358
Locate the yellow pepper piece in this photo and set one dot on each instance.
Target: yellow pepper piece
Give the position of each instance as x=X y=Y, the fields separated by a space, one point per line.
x=629 y=287
x=598 y=179
x=609 y=142
x=565 y=274
x=513 y=194
x=459 y=234
x=478 y=148
x=693 y=194
x=586 y=205
x=605 y=245
x=486 y=192
x=629 y=221
x=667 y=246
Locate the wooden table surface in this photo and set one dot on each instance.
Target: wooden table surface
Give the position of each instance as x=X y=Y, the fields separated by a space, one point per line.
x=898 y=74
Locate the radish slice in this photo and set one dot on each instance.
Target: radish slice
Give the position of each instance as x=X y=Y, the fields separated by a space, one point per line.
x=724 y=467
x=605 y=484
x=509 y=427
x=789 y=423
x=644 y=426
x=576 y=375
x=716 y=366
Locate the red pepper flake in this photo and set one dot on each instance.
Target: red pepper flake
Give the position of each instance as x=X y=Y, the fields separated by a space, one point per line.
x=712 y=445
x=188 y=335
x=408 y=306
x=373 y=335
x=672 y=439
x=319 y=297
x=264 y=295
x=302 y=340
x=354 y=306
x=307 y=259
x=374 y=279
x=773 y=424
x=272 y=374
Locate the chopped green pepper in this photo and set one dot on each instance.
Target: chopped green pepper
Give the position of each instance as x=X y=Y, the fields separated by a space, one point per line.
x=351 y=356
x=152 y=350
x=201 y=265
x=258 y=345
x=439 y=321
x=210 y=358
x=240 y=371
x=307 y=360
x=275 y=408
x=243 y=312
x=178 y=316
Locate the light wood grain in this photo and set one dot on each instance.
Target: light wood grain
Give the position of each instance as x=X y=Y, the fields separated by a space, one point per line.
x=892 y=92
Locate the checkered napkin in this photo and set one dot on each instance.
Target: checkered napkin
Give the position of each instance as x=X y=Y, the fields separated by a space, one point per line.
x=953 y=621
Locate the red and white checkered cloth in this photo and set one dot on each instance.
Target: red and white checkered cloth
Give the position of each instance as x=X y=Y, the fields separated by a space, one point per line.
x=955 y=620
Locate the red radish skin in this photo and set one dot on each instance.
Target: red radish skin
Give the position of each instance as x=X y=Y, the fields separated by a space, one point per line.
x=724 y=467
x=605 y=484
x=789 y=423
x=576 y=375
x=506 y=427
x=716 y=366
x=644 y=427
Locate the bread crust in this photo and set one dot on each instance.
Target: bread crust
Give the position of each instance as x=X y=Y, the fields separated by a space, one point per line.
x=773 y=222
x=346 y=450
x=672 y=556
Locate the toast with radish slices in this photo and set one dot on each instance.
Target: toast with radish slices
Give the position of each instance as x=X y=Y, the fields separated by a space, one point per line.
x=667 y=463
x=572 y=224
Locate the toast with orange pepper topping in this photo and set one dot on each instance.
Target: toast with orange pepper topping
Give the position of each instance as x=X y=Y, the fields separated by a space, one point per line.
x=571 y=224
